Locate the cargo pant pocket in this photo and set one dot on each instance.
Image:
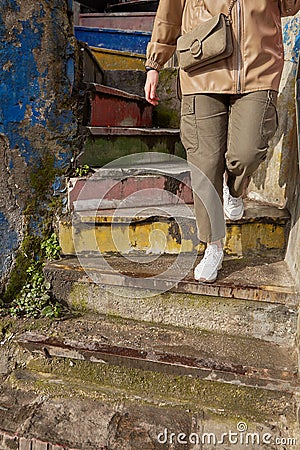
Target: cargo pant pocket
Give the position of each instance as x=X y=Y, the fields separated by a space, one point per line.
x=269 y=123
x=188 y=126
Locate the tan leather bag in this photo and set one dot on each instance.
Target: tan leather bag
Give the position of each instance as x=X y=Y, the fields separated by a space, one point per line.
x=207 y=43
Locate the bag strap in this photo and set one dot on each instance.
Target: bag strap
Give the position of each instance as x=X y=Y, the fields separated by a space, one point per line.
x=230 y=7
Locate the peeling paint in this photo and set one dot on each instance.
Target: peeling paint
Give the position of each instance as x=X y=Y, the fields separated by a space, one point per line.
x=37 y=114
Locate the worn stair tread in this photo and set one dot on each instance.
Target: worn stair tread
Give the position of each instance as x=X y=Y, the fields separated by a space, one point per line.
x=76 y=413
x=134 y=21
x=261 y=279
x=95 y=87
x=133 y=131
x=144 y=168
x=254 y=211
x=110 y=143
x=175 y=350
x=139 y=391
x=109 y=186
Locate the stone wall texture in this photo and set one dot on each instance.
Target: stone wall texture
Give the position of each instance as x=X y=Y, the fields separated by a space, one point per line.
x=37 y=120
x=272 y=180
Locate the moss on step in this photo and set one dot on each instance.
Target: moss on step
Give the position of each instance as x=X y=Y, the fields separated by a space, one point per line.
x=167 y=113
x=192 y=393
x=100 y=150
x=41 y=209
x=165 y=116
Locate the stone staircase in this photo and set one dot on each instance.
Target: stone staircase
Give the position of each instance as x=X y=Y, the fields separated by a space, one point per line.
x=151 y=359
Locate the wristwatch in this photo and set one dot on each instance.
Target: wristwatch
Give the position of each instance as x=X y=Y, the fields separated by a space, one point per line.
x=148 y=68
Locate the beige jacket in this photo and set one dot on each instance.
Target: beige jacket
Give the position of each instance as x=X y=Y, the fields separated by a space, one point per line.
x=257 y=59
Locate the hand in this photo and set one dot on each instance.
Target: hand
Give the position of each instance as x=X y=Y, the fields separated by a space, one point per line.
x=150 y=87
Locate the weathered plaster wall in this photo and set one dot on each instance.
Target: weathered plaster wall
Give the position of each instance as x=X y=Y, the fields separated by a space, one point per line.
x=293 y=195
x=37 y=115
x=271 y=181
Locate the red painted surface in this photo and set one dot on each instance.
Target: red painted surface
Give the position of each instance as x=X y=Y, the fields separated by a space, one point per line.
x=122 y=21
x=110 y=189
x=114 y=108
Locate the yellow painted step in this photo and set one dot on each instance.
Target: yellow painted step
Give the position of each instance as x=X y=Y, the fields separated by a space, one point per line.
x=118 y=60
x=134 y=230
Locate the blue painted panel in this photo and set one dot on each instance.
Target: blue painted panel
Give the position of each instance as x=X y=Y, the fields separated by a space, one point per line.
x=37 y=118
x=122 y=40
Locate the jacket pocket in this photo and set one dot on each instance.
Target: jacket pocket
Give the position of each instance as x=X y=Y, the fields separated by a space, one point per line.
x=188 y=127
x=269 y=122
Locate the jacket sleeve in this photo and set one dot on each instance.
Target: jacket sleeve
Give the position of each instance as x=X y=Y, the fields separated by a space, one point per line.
x=289 y=7
x=166 y=30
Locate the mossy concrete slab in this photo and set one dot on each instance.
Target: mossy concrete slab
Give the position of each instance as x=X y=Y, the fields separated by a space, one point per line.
x=104 y=145
x=66 y=409
x=153 y=387
x=204 y=355
x=91 y=405
x=261 y=279
x=264 y=312
x=92 y=331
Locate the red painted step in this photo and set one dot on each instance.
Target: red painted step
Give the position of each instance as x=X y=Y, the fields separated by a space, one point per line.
x=112 y=107
x=109 y=187
x=138 y=21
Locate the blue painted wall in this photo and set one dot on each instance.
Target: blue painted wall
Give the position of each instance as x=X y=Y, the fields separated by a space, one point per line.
x=291 y=38
x=38 y=124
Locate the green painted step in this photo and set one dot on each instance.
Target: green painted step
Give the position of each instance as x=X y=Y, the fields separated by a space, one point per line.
x=106 y=144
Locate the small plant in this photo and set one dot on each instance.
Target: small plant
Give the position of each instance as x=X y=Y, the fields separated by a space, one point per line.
x=82 y=171
x=51 y=247
x=34 y=300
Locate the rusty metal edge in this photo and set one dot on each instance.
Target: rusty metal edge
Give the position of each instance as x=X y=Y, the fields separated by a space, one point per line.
x=108 y=90
x=161 y=362
x=246 y=292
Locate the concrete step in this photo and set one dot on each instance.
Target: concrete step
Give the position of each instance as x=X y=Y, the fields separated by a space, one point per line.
x=19 y=442
x=95 y=383
x=113 y=383
x=108 y=187
x=168 y=229
x=169 y=350
x=111 y=107
x=253 y=298
x=106 y=144
x=87 y=406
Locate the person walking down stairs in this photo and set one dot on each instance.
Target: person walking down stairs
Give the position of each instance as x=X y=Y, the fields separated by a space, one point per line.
x=228 y=110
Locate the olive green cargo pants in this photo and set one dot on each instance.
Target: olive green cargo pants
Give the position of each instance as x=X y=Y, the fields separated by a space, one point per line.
x=224 y=132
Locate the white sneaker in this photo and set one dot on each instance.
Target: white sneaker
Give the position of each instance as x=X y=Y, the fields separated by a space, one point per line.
x=233 y=206
x=207 y=270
